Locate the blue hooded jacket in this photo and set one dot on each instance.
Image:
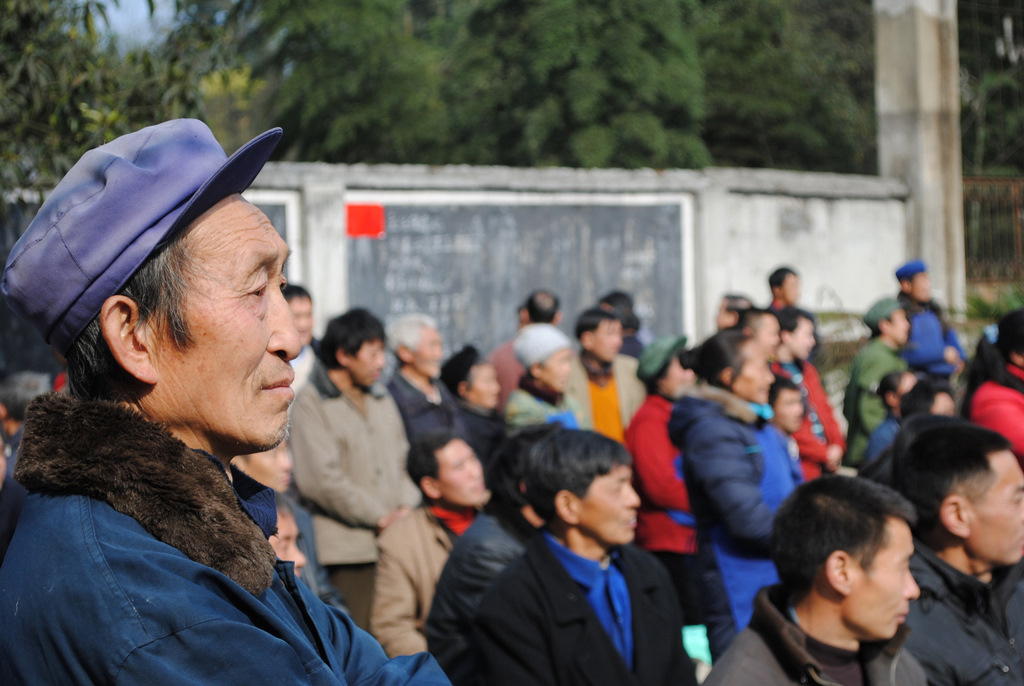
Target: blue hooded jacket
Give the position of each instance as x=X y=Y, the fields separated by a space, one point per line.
x=135 y=563
x=735 y=486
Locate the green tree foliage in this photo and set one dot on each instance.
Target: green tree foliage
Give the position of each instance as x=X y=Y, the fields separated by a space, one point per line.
x=590 y=83
x=789 y=84
x=991 y=85
x=63 y=89
x=353 y=84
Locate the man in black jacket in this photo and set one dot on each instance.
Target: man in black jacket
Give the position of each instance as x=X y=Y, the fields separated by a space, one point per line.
x=968 y=624
x=582 y=606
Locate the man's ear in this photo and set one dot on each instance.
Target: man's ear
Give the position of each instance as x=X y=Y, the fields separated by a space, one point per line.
x=130 y=342
x=956 y=514
x=567 y=507
x=404 y=355
x=726 y=377
x=587 y=340
x=428 y=485
x=838 y=570
x=462 y=388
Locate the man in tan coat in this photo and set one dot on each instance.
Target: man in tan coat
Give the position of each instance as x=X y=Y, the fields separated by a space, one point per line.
x=603 y=382
x=413 y=552
x=349 y=448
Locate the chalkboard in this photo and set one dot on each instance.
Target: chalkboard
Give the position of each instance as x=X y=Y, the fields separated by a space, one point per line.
x=471 y=266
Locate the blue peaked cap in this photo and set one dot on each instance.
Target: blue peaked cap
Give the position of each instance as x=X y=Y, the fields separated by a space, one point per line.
x=116 y=206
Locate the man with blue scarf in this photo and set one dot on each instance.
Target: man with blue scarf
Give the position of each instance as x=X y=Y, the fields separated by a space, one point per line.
x=582 y=606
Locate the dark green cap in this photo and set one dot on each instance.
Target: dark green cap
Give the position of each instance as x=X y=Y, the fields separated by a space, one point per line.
x=655 y=356
x=882 y=309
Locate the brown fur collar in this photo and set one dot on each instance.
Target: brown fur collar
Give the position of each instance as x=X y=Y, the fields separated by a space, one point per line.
x=732 y=405
x=111 y=453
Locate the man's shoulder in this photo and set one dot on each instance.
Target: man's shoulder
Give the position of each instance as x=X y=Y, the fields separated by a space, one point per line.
x=624 y=367
x=645 y=564
x=417 y=525
x=748 y=660
x=504 y=353
x=878 y=359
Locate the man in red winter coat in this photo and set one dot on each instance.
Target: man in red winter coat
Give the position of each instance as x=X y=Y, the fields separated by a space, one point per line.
x=665 y=525
x=819 y=439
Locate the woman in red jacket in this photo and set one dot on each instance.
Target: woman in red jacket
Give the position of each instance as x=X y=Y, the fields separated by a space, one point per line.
x=995 y=381
x=665 y=525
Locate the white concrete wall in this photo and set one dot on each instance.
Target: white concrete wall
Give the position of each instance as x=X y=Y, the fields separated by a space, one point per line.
x=844 y=234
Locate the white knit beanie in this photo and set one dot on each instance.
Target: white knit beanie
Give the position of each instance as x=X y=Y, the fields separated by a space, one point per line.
x=537 y=342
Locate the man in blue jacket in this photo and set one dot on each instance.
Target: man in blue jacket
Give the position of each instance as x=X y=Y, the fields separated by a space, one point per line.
x=933 y=347
x=142 y=556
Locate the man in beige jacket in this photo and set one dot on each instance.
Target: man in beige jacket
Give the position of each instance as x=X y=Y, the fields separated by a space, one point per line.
x=603 y=382
x=349 y=447
x=413 y=551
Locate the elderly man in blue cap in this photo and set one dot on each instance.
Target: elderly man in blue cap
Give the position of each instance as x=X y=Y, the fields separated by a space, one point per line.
x=142 y=556
x=933 y=347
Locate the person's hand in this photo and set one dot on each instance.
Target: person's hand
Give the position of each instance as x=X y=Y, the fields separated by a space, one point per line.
x=833 y=458
x=952 y=356
x=392 y=517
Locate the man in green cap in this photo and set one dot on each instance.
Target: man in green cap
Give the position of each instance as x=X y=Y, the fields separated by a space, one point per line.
x=862 y=406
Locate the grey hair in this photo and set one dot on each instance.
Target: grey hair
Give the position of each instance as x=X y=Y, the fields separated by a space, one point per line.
x=18 y=390
x=160 y=289
x=407 y=329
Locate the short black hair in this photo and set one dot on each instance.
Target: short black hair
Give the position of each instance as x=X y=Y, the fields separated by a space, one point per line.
x=781 y=383
x=621 y=303
x=736 y=302
x=722 y=351
x=458 y=368
x=541 y=307
x=505 y=472
x=920 y=398
x=348 y=333
x=591 y=318
x=828 y=514
x=778 y=277
x=569 y=460
x=942 y=459
x=890 y=383
x=751 y=315
x=292 y=291
x=789 y=318
x=422 y=458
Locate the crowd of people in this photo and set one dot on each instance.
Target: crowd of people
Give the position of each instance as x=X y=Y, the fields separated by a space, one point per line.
x=555 y=512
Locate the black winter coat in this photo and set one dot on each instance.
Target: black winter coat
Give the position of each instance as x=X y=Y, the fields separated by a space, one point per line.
x=965 y=631
x=536 y=627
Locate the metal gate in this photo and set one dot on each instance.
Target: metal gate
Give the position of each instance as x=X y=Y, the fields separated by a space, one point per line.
x=994 y=244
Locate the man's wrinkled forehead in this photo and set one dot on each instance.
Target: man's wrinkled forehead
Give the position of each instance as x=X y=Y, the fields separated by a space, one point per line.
x=217 y=233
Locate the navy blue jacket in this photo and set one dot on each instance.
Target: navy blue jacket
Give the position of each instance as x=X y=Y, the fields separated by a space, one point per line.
x=734 y=499
x=134 y=563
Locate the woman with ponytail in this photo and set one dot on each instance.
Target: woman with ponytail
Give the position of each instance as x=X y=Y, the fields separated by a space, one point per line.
x=735 y=476
x=995 y=381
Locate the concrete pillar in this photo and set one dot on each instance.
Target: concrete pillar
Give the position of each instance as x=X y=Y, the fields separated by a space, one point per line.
x=917 y=97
